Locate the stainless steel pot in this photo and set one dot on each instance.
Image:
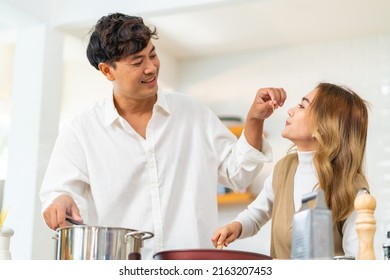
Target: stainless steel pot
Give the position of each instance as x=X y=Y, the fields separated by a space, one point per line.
x=81 y=242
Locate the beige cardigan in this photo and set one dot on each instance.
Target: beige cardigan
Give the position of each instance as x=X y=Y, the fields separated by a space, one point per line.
x=283 y=210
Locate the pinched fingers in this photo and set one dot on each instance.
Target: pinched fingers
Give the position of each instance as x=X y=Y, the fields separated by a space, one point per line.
x=226 y=235
x=220 y=236
x=277 y=96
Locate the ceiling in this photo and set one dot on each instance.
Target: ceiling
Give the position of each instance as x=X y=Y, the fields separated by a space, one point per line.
x=247 y=25
x=228 y=26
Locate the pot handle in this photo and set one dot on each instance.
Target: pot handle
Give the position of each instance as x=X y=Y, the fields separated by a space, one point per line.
x=135 y=234
x=56 y=236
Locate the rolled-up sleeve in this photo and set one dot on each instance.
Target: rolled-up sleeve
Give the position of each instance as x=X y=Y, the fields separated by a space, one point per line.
x=249 y=155
x=243 y=163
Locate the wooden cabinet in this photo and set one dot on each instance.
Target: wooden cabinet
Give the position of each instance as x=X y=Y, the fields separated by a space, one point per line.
x=236 y=126
x=233 y=198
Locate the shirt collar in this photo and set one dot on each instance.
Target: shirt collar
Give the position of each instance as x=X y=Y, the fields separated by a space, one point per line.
x=111 y=113
x=162 y=102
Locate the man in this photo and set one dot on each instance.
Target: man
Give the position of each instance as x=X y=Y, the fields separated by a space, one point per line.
x=144 y=159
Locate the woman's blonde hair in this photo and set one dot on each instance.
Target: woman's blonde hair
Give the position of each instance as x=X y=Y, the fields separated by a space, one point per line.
x=340 y=122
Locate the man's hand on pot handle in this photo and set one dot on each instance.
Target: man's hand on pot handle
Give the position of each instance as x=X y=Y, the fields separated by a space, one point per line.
x=63 y=206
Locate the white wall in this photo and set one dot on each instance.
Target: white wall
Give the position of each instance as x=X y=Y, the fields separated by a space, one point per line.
x=36 y=95
x=7 y=51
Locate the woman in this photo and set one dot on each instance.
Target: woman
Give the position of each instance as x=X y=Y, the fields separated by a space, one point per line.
x=329 y=132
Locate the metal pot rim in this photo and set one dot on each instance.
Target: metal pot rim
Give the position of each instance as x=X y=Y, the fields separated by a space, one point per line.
x=96 y=227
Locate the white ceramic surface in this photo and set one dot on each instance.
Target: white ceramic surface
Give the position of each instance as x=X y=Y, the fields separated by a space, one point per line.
x=5 y=238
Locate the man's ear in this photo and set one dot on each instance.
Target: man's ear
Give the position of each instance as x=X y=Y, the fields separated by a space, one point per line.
x=106 y=69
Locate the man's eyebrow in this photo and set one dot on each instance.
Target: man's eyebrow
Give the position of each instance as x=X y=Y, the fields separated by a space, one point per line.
x=305 y=99
x=136 y=56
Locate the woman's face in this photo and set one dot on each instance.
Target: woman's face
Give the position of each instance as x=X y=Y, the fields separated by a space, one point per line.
x=298 y=125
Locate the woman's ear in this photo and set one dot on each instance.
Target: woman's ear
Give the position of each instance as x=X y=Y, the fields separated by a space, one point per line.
x=107 y=71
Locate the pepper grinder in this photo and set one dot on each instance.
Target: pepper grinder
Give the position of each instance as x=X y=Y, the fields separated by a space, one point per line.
x=365 y=205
